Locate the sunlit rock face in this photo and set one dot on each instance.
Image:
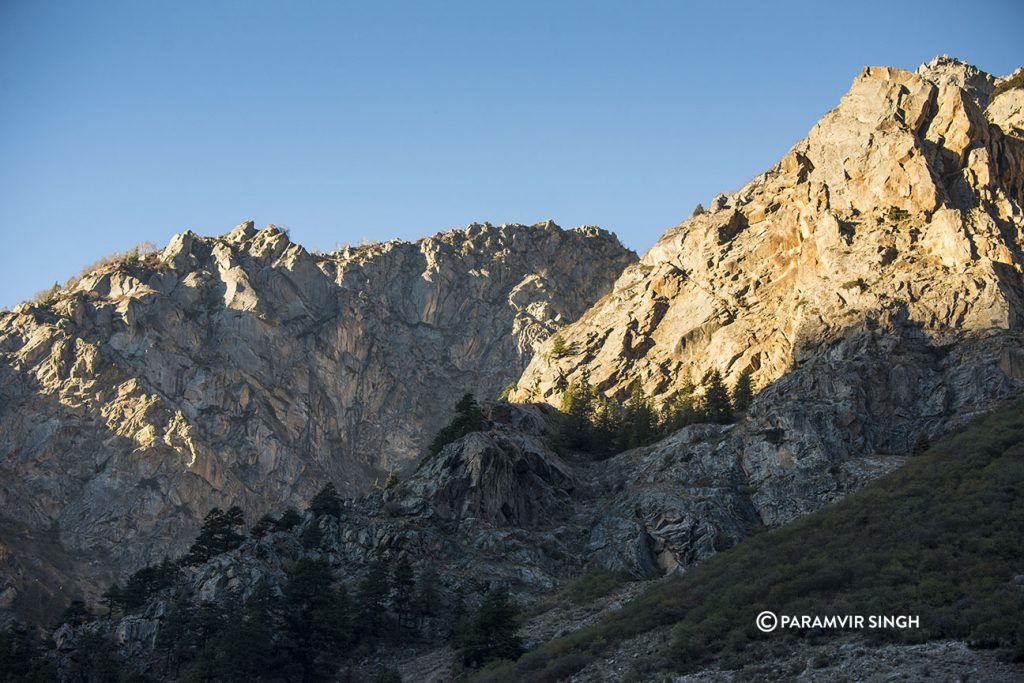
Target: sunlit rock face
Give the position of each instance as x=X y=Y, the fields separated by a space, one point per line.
x=243 y=369
x=900 y=213
x=872 y=283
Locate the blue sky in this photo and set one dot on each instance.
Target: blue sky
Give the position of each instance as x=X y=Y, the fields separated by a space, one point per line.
x=129 y=121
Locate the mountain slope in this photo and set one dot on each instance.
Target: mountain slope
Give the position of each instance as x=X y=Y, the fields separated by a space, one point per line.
x=244 y=370
x=901 y=212
x=938 y=539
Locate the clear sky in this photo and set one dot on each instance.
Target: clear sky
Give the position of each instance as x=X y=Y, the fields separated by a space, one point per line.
x=129 y=121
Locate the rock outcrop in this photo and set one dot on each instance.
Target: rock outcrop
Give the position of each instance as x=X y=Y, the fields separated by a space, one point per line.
x=894 y=227
x=245 y=370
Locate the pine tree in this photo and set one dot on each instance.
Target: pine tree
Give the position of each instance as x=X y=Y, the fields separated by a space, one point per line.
x=743 y=392
x=111 y=598
x=716 y=406
x=312 y=536
x=243 y=649
x=683 y=409
x=403 y=583
x=326 y=502
x=267 y=524
x=219 y=534
x=558 y=347
x=607 y=424
x=95 y=659
x=146 y=582
x=289 y=520
x=316 y=619
x=426 y=601
x=23 y=655
x=639 y=422
x=176 y=638
x=468 y=418
x=75 y=614
x=578 y=407
x=492 y=632
x=373 y=598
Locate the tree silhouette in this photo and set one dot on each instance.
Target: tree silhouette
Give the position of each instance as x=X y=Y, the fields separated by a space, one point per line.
x=219 y=534
x=717 y=407
x=491 y=633
x=326 y=502
x=743 y=392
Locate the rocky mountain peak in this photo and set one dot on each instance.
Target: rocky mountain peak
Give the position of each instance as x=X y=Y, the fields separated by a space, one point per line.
x=946 y=71
x=901 y=208
x=244 y=369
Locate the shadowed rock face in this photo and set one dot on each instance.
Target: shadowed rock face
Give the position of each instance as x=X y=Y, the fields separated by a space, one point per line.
x=244 y=370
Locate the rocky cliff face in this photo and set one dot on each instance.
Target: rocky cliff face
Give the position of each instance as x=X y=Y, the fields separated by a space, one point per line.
x=893 y=228
x=245 y=370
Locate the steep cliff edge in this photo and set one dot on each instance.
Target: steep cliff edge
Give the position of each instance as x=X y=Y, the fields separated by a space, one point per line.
x=245 y=370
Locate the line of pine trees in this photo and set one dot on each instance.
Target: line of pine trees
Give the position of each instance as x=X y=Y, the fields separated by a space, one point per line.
x=602 y=425
x=303 y=630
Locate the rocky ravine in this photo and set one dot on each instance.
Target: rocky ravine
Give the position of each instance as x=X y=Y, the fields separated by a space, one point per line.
x=245 y=370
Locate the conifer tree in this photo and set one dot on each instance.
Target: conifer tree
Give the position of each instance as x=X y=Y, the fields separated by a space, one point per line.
x=403 y=584
x=111 y=598
x=743 y=392
x=264 y=526
x=639 y=422
x=326 y=502
x=219 y=534
x=312 y=536
x=427 y=602
x=75 y=614
x=607 y=424
x=468 y=418
x=22 y=655
x=289 y=520
x=95 y=659
x=558 y=347
x=316 y=619
x=373 y=598
x=492 y=631
x=577 y=405
x=717 y=407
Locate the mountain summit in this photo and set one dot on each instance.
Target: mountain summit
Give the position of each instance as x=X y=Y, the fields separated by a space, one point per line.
x=900 y=212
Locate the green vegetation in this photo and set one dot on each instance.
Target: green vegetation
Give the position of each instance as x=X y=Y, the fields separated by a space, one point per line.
x=600 y=425
x=468 y=418
x=219 y=534
x=326 y=502
x=47 y=297
x=141 y=586
x=895 y=214
x=940 y=538
x=855 y=284
x=743 y=392
x=559 y=348
x=595 y=584
x=306 y=629
x=490 y=634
